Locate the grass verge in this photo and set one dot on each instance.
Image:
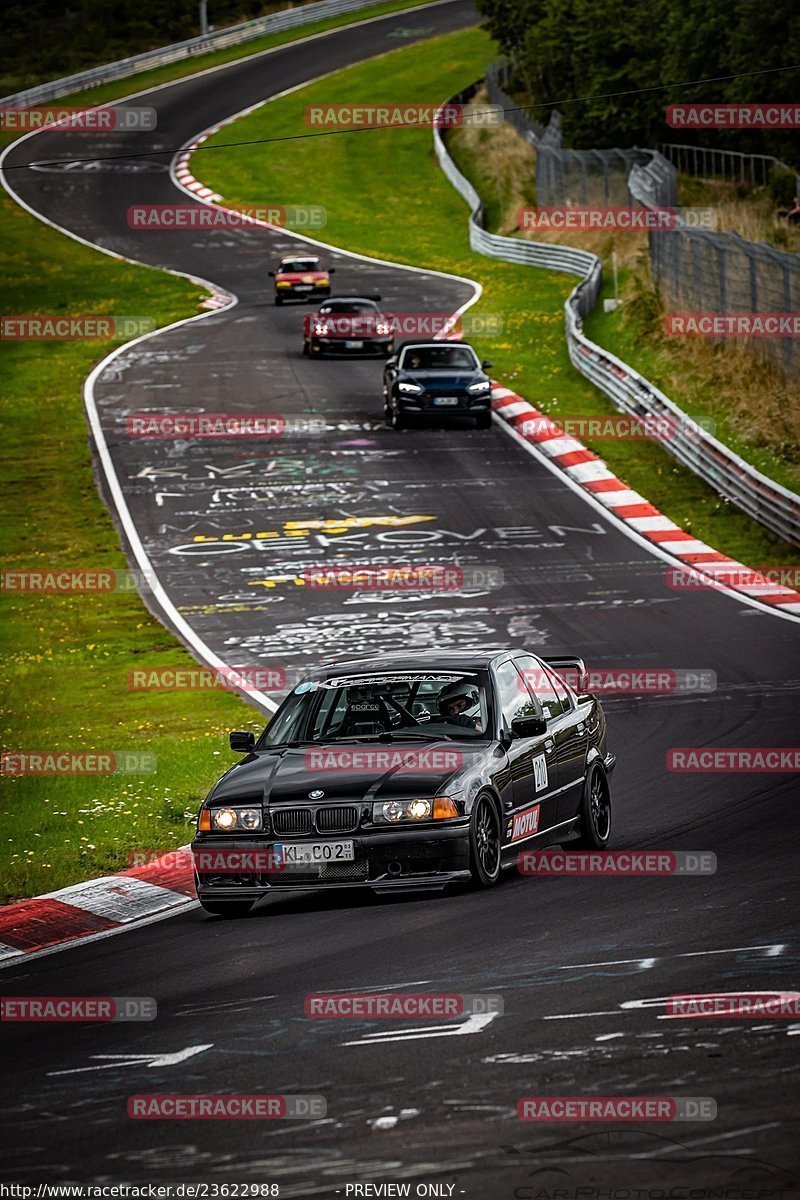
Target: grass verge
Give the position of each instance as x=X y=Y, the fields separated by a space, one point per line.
x=386 y=197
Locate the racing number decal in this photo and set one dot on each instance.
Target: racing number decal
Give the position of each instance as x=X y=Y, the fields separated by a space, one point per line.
x=540 y=773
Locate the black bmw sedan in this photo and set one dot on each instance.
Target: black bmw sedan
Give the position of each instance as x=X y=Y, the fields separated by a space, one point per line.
x=406 y=771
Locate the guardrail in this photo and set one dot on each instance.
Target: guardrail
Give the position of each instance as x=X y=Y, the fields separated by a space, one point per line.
x=773 y=506
x=732 y=165
x=289 y=18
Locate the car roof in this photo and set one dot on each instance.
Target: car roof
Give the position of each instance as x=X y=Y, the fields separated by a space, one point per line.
x=415 y=660
x=348 y=300
x=305 y=257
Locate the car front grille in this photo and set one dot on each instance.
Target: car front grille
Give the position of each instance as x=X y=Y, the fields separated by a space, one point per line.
x=341 y=819
x=291 y=820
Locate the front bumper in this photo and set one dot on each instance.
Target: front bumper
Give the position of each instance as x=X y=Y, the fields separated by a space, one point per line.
x=368 y=345
x=395 y=860
x=426 y=405
x=299 y=292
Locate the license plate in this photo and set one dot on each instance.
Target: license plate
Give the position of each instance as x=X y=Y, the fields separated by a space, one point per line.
x=315 y=852
x=303 y=287
x=445 y=400
x=354 y=345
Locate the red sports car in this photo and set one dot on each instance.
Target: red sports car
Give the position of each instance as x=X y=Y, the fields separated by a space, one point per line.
x=348 y=325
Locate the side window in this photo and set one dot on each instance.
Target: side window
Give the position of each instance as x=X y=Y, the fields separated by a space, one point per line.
x=541 y=685
x=512 y=695
x=561 y=692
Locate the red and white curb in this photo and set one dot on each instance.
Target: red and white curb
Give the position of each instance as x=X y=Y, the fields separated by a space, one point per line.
x=97 y=906
x=588 y=470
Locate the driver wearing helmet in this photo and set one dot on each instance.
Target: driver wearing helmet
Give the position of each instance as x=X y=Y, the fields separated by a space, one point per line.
x=455 y=699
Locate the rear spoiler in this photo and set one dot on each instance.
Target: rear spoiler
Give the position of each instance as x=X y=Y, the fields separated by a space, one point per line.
x=566 y=663
x=573 y=670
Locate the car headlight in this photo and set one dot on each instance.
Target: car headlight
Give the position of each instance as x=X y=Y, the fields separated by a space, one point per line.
x=227 y=819
x=412 y=388
x=391 y=812
x=479 y=387
x=283 y=283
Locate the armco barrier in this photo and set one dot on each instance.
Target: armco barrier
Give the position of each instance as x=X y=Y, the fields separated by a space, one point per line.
x=773 y=506
x=289 y=18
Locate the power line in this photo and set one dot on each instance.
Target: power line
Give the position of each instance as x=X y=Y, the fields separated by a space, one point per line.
x=294 y=137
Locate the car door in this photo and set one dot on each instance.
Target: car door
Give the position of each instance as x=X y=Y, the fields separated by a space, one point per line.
x=532 y=805
x=567 y=737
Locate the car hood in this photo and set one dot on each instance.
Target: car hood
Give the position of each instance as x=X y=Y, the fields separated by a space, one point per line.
x=347 y=771
x=439 y=381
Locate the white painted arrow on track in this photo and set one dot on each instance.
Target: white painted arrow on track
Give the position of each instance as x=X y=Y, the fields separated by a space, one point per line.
x=473 y=1024
x=138 y=1060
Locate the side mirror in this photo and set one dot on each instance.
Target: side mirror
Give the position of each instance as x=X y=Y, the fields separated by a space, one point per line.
x=331 y=270
x=584 y=698
x=526 y=727
x=391 y=362
x=242 y=741
x=486 y=364
x=271 y=274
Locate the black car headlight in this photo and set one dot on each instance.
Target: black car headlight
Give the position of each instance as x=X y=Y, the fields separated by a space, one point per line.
x=227 y=820
x=479 y=387
x=411 y=389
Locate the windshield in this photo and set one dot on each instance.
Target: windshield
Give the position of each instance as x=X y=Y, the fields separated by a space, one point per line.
x=348 y=306
x=297 y=265
x=426 y=358
x=379 y=707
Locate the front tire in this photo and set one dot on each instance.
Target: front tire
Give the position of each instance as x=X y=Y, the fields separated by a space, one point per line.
x=227 y=908
x=278 y=301
x=484 y=843
x=595 y=812
x=484 y=421
x=393 y=417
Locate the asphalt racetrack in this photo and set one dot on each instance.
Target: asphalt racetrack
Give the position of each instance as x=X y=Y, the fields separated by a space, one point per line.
x=580 y=963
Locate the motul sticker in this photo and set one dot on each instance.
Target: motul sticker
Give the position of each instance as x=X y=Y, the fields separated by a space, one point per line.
x=525 y=823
